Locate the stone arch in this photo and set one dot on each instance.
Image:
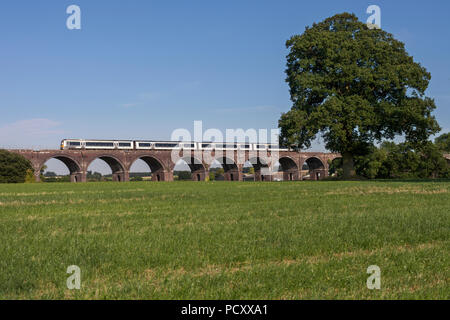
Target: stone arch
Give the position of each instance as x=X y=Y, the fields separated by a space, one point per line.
x=198 y=169
x=231 y=170
x=289 y=168
x=71 y=164
x=316 y=168
x=159 y=173
x=262 y=168
x=119 y=173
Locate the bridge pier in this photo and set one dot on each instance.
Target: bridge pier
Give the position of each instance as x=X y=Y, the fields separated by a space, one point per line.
x=83 y=176
x=318 y=174
x=199 y=175
x=233 y=175
x=37 y=174
x=158 y=175
x=260 y=176
x=162 y=175
x=168 y=175
x=240 y=172
x=121 y=176
x=78 y=177
x=291 y=175
x=263 y=174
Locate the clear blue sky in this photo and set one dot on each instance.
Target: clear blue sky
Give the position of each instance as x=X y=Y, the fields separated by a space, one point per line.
x=140 y=69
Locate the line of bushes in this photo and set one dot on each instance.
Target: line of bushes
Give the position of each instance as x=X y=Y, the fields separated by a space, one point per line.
x=399 y=161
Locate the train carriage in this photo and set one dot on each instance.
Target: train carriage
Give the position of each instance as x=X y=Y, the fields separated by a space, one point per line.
x=165 y=145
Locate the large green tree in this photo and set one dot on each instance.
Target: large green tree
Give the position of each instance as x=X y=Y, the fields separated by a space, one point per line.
x=354 y=86
x=13 y=167
x=443 y=142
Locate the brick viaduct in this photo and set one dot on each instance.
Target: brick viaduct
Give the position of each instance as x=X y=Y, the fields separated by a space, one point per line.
x=162 y=166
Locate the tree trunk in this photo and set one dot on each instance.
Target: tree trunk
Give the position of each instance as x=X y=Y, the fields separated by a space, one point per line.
x=348 y=165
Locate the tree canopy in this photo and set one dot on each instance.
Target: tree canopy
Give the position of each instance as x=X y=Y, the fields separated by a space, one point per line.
x=355 y=86
x=13 y=167
x=443 y=142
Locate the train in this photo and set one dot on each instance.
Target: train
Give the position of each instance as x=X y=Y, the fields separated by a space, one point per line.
x=75 y=144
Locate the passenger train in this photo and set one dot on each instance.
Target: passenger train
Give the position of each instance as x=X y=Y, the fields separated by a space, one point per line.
x=165 y=145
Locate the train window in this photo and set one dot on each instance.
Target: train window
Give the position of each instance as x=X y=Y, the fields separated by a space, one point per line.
x=226 y=146
x=74 y=143
x=124 y=144
x=99 y=144
x=188 y=145
x=206 y=145
x=261 y=146
x=148 y=145
x=166 y=145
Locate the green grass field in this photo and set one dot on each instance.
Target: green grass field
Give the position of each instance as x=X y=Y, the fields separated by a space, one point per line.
x=225 y=240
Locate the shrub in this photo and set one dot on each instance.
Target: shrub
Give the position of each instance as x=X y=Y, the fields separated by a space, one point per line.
x=13 y=167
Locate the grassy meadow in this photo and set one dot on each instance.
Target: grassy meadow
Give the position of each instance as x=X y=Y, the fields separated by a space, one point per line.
x=225 y=240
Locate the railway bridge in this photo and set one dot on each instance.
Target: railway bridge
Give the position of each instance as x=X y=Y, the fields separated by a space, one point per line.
x=162 y=163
